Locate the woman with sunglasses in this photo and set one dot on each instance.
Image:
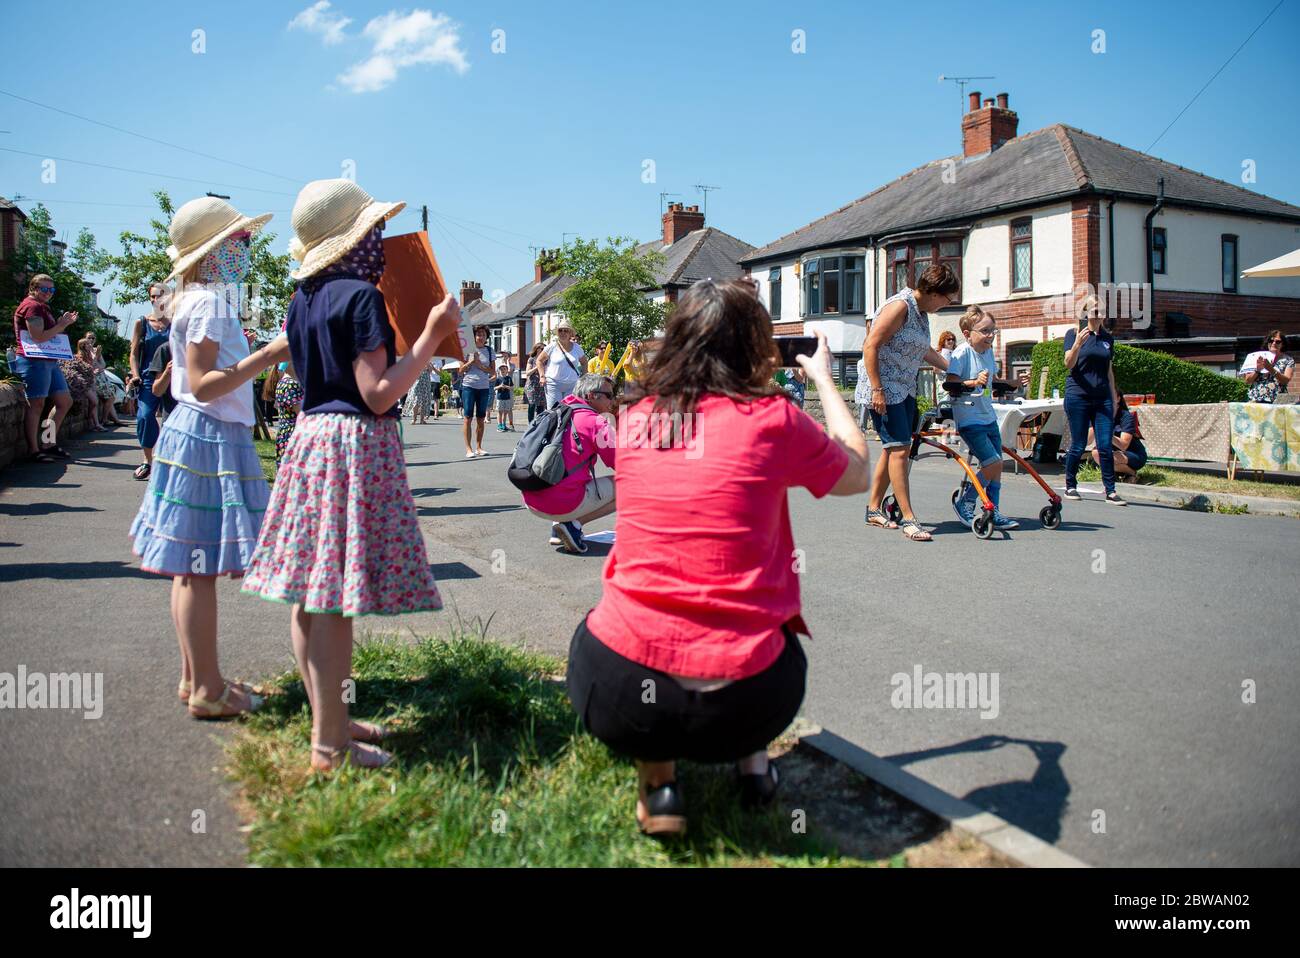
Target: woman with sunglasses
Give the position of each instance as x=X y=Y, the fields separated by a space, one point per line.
x=150 y=332
x=1270 y=373
x=1091 y=397
x=42 y=377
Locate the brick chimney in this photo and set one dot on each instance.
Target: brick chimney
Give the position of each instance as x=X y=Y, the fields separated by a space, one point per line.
x=540 y=271
x=985 y=128
x=469 y=292
x=680 y=220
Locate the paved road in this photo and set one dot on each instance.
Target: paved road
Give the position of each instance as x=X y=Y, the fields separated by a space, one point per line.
x=1118 y=692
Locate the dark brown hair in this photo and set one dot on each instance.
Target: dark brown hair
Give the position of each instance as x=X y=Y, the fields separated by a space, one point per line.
x=940 y=279
x=717 y=341
x=1275 y=334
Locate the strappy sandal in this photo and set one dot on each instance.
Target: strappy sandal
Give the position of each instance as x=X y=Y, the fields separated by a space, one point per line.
x=376 y=757
x=913 y=530
x=186 y=688
x=142 y=471
x=374 y=733
x=877 y=517
x=222 y=709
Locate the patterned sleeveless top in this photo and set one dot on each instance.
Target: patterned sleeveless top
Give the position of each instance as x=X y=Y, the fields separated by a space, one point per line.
x=901 y=357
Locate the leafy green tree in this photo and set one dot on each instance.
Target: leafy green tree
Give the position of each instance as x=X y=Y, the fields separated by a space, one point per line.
x=607 y=301
x=69 y=269
x=144 y=260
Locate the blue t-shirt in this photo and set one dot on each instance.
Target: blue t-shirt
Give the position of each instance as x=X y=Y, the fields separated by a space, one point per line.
x=1090 y=377
x=1128 y=423
x=332 y=320
x=974 y=408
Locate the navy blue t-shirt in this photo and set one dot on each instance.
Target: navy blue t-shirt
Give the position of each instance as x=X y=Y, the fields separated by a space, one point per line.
x=1127 y=422
x=1090 y=376
x=332 y=320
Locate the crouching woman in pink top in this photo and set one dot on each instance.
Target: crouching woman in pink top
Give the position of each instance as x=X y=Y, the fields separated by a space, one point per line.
x=692 y=651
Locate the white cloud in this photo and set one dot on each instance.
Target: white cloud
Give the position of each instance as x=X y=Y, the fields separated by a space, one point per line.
x=318 y=18
x=402 y=40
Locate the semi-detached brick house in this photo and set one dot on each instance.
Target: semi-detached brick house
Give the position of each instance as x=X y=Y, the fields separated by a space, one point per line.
x=691 y=252
x=1025 y=220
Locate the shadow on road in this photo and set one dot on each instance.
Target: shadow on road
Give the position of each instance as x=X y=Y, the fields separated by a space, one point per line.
x=22 y=572
x=442 y=571
x=465 y=510
x=41 y=509
x=1036 y=805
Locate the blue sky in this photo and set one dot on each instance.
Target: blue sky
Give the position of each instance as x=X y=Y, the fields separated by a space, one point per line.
x=549 y=137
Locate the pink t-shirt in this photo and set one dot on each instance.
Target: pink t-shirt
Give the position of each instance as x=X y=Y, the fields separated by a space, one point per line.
x=701 y=577
x=596 y=437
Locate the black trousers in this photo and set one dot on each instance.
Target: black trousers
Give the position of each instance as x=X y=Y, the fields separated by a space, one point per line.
x=643 y=713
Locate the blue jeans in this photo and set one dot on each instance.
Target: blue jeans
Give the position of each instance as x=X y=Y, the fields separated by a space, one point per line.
x=1082 y=412
x=475 y=401
x=146 y=414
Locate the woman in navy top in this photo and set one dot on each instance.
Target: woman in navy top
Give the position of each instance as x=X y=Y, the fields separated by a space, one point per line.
x=1090 y=397
x=1130 y=455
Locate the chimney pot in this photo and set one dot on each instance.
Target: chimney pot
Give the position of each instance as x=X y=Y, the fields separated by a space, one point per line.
x=469 y=292
x=975 y=100
x=988 y=102
x=984 y=130
x=1002 y=101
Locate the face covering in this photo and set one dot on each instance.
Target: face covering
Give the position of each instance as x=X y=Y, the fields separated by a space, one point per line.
x=366 y=259
x=226 y=268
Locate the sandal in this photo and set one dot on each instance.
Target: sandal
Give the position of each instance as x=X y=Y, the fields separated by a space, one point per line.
x=186 y=688
x=877 y=517
x=222 y=709
x=142 y=471
x=372 y=732
x=913 y=530
x=357 y=753
x=42 y=457
x=665 y=811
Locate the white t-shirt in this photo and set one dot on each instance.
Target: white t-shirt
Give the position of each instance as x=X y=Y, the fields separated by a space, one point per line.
x=201 y=314
x=557 y=370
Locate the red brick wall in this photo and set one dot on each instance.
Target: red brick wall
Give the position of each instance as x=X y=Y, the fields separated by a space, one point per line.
x=1085 y=240
x=787 y=329
x=1227 y=314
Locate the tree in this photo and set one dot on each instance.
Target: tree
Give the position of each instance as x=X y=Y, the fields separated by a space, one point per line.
x=33 y=255
x=144 y=260
x=607 y=301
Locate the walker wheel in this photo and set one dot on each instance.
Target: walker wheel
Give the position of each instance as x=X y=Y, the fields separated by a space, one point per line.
x=982 y=526
x=1050 y=517
x=956 y=494
x=890 y=507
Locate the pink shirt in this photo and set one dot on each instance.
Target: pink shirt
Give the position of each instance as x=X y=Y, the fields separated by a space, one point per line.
x=595 y=437
x=701 y=577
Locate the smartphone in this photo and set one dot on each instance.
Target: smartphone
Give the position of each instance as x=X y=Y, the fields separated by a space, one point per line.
x=792 y=346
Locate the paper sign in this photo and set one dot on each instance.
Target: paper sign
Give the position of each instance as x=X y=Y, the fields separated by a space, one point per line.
x=56 y=347
x=412 y=285
x=1248 y=364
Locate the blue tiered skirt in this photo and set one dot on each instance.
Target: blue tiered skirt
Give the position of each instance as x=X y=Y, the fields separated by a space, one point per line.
x=203 y=509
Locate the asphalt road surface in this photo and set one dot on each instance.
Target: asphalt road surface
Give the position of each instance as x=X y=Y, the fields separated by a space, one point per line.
x=1122 y=646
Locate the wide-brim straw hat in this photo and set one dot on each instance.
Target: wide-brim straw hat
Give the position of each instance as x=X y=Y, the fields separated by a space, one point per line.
x=329 y=218
x=200 y=225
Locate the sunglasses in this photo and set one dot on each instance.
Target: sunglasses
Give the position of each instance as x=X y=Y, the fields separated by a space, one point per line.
x=601 y=392
x=1278 y=341
x=44 y=289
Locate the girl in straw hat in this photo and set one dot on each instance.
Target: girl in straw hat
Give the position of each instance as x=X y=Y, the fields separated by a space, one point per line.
x=203 y=508
x=340 y=537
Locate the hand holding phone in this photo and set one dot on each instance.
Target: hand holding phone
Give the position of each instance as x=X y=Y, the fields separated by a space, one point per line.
x=792 y=346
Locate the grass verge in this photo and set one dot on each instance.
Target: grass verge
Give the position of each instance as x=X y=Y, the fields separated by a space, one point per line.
x=1199 y=482
x=493 y=769
x=266 y=453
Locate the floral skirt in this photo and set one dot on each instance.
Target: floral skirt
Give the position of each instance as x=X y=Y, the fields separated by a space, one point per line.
x=341 y=534
x=205 y=501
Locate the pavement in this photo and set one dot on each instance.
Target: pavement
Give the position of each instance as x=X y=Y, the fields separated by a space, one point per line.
x=1120 y=643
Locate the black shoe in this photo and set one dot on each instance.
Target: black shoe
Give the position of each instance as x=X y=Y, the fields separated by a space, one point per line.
x=142 y=471
x=58 y=452
x=665 y=811
x=757 y=791
x=1114 y=499
x=1072 y=494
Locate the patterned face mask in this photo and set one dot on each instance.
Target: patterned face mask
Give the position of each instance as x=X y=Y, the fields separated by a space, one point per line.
x=366 y=259
x=226 y=267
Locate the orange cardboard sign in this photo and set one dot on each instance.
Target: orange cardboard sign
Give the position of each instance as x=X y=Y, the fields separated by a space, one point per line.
x=412 y=285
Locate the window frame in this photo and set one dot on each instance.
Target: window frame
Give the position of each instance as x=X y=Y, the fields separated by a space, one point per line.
x=935 y=242
x=774 y=292
x=850 y=267
x=1161 y=233
x=1012 y=242
x=1224 y=238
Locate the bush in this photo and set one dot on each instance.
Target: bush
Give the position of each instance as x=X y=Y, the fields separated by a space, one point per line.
x=1143 y=371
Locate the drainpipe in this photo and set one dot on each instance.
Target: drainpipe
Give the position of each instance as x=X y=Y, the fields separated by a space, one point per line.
x=1110 y=230
x=1151 y=266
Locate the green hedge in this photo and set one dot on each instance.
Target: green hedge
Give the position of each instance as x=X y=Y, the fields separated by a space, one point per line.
x=1137 y=370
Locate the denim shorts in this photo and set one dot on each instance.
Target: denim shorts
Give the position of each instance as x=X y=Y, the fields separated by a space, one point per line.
x=896 y=426
x=475 y=401
x=984 y=440
x=43 y=377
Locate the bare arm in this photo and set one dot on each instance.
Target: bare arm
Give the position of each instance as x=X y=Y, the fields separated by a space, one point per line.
x=36 y=327
x=936 y=359
x=1284 y=376
x=840 y=425
x=162 y=382
x=208 y=383
x=135 y=345
x=883 y=328
x=1122 y=441
x=380 y=384
x=1114 y=390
